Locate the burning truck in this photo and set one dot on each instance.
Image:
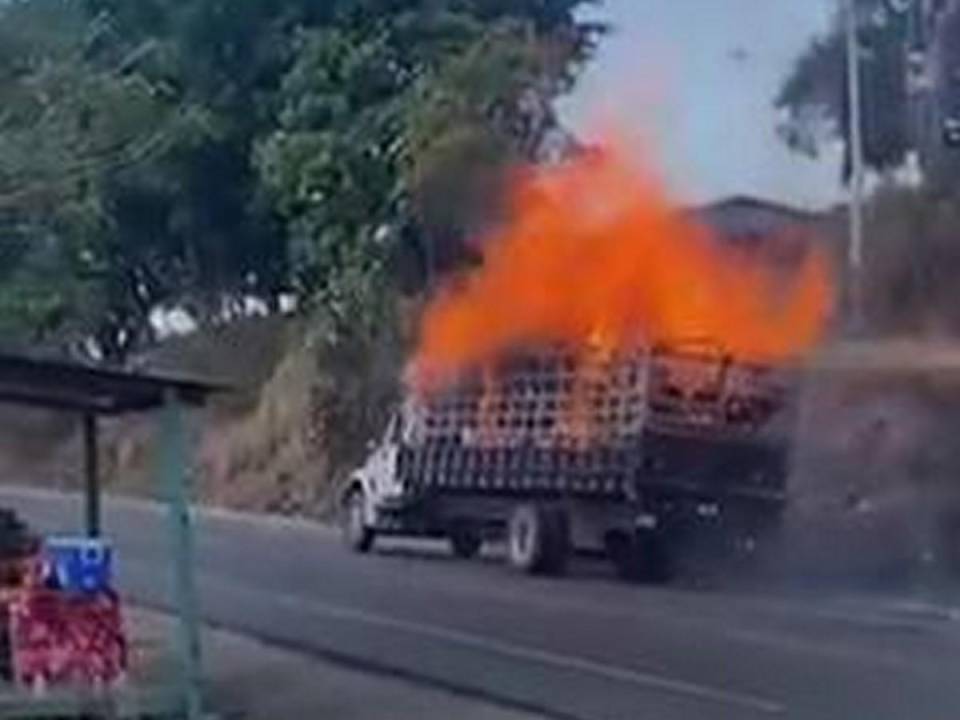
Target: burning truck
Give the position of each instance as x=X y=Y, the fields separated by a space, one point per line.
x=609 y=378
x=633 y=455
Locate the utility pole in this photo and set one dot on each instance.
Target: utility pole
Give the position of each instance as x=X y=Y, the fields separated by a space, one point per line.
x=855 y=245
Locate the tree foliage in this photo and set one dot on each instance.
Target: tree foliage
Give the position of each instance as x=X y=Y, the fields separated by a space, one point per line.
x=391 y=124
x=814 y=97
x=202 y=153
x=72 y=124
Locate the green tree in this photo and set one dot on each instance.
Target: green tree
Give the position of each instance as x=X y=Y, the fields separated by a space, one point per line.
x=814 y=98
x=69 y=129
x=225 y=59
x=199 y=152
x=135 y=121
x=394 y=120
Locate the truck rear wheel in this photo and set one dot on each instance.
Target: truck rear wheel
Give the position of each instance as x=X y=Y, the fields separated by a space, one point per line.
x=357 y=535
x=465 y=539
x=538 y=539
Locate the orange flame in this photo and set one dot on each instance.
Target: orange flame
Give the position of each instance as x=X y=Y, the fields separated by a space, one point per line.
x=595 y=253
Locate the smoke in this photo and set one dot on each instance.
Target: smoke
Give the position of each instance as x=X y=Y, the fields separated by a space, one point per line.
x=874 y=491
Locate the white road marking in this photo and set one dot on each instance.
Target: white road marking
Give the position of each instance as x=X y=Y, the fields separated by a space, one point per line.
x=648 y=680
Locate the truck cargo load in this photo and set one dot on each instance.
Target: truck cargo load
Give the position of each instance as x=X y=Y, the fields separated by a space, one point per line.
x=542 y=421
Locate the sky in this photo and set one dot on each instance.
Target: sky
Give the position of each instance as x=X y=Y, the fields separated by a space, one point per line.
x=696 y=79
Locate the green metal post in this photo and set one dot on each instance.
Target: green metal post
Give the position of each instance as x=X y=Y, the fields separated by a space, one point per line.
x=91 y=471
x=173 y=468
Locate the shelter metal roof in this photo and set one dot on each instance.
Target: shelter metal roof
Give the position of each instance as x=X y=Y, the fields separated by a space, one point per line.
x=73 y=386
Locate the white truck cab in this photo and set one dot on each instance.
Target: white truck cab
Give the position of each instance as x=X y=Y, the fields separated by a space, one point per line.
x=372 y=486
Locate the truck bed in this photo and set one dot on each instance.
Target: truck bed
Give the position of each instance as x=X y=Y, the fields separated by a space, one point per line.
x=604 y=426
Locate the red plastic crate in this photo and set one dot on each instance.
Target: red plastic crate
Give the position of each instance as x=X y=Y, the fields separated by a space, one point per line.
x=62 y=638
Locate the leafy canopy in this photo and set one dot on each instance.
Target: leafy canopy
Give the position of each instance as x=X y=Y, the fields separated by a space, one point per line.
x=203 y=153
x=814 y=97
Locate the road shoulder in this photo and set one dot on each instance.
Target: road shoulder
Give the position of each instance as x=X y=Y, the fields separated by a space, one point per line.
x=252 y=680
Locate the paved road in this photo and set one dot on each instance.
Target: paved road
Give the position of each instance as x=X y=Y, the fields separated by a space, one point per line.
x=586 y=647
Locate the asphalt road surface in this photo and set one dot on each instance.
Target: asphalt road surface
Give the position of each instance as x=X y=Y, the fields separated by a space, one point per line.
x=584 y=647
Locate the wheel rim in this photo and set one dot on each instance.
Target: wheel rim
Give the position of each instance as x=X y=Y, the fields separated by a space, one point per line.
x=522 y=539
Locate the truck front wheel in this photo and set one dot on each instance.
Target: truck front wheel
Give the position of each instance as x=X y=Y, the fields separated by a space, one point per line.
x=357 y=535
x=538 y=539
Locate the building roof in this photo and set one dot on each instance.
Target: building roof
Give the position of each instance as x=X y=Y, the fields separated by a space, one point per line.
x=744 y=216
x=747 y=202
x=78 y=387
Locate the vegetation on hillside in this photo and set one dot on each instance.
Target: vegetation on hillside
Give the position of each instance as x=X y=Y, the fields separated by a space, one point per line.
x=203 y=154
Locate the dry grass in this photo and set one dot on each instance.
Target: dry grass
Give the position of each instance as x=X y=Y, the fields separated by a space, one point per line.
x=272 y=458
x=912 y=260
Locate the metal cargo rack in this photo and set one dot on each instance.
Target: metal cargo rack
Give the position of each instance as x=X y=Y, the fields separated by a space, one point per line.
x=551 y=422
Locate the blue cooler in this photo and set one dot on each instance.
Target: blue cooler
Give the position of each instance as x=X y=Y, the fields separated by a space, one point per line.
x=79 y=564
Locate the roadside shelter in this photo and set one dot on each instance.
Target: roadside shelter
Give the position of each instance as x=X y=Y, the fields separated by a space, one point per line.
x=92 y=393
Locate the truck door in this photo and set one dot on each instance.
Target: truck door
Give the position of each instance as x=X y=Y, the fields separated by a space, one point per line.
x=385 y=473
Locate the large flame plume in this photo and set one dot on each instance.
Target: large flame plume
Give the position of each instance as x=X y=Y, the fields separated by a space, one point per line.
x=594 y=255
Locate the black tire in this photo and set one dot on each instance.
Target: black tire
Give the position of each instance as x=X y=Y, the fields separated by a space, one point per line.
x=465 y=539
x=538 y=540
x=357 y=535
